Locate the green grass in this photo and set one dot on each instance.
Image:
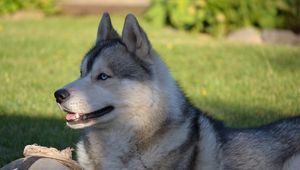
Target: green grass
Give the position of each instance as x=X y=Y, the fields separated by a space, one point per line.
x=244 y=85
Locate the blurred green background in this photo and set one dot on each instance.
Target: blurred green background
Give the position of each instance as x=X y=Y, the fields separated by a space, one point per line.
x=218 y=17
x=242 y=84
x=11 y=6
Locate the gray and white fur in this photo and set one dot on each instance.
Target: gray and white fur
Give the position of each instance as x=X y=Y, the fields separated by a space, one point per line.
x=134 y=116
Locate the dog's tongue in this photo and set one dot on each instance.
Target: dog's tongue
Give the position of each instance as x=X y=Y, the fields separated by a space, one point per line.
x=71 y=116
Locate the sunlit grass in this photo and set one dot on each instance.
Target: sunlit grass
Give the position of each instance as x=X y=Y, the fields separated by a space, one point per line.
x=244 y=85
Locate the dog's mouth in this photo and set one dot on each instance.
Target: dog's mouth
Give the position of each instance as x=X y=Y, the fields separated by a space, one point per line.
x=74 y=118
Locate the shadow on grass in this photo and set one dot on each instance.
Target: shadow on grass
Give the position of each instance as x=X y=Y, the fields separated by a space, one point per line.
x=17 y=131
x=240 y=115
x=289 y=62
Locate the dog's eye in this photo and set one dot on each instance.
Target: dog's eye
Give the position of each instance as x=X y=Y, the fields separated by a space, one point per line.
x=103 y=76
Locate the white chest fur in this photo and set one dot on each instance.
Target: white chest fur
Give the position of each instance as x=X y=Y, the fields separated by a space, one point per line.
x=118 y=150
x=108 y=150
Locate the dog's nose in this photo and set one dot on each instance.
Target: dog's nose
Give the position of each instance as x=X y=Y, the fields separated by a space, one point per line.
x=61 y=95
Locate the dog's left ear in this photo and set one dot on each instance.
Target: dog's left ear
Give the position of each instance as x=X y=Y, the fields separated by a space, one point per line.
x=105 y=29
x=135 y=38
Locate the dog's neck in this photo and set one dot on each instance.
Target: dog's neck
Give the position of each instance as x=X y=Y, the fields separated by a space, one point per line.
x=103 y=148
x=123 y=148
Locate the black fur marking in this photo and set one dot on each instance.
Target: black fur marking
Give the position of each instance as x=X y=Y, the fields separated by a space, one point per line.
x=193 y=160
x=96 y=50
x=194 y=138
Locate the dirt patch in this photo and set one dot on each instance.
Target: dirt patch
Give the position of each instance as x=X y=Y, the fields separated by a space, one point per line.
x=25 y=14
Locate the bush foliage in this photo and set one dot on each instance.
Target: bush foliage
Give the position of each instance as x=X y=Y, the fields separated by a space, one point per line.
x=10 y=6
x=221 y=16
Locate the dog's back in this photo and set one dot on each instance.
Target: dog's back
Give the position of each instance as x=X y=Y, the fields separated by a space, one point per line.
x=274 y=146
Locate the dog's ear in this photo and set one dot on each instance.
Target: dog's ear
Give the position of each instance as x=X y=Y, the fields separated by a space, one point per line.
x=105 y=29
x=135 y=38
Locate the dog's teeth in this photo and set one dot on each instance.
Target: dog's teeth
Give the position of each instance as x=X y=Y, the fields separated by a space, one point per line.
x=77 y=115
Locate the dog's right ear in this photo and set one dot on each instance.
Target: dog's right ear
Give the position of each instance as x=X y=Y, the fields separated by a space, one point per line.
x=105 y=29
x=135 y=38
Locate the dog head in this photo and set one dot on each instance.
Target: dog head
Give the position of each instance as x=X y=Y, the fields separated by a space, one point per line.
x=119 y=81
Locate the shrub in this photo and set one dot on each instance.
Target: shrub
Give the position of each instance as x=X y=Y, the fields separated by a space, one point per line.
x=10 y=6
x=221 y=16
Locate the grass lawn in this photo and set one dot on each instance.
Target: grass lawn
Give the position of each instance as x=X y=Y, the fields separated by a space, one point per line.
x=244 y=85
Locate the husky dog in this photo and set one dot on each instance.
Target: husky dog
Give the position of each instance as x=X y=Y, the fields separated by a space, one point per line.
x=134 y=116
